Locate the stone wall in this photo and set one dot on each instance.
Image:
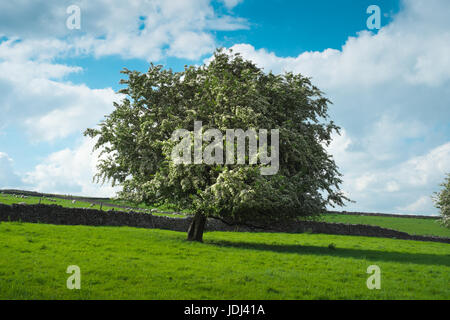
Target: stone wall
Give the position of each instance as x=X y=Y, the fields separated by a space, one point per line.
x=383 y=215
x=53 y=214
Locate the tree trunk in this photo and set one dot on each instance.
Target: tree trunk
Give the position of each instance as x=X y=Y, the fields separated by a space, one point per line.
x=195 y=231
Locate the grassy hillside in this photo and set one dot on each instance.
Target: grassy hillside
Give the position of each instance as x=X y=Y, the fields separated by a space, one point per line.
x=414 y=226
x=130 y=263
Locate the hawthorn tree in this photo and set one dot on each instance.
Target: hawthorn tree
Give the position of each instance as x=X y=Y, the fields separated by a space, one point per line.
x=442 y=201
x=227 y=93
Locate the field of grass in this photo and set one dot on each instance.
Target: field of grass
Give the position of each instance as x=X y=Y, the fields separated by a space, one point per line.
x=10 y=199
x=132 y=263
x=415 y=226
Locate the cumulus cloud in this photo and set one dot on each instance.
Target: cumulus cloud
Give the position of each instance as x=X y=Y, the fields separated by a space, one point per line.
x=391 y=94
x=34 y=94
x=8 y=178
x=403 y=187
x=230 y=4
x=74 y=109
x=420 y=205
x=132 y=29
x=70 y=171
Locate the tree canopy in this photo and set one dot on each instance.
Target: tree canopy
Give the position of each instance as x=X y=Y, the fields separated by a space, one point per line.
x=229 y=92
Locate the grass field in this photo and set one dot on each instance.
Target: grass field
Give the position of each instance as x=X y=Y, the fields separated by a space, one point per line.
x=415 y=226
x=10 y=199
x=132 y=263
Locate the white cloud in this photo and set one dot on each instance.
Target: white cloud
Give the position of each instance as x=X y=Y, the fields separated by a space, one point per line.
x=424 y=170
x=133 y=29
x=392 y=186
x=181 y=47
x=70 y=171
x=34 y=94
x=74 y=109
x=420 y=205
x=8 y=178
x=230 y=4
x=395 y=188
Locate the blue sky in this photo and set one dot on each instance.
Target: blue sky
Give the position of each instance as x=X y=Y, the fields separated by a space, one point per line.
x=390 y=87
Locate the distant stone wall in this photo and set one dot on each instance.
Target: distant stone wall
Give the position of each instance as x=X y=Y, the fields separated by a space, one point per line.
x=354 y=230
x=383 y=215
x=54 y=214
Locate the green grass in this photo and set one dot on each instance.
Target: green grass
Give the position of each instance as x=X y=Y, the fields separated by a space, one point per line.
x=415 y=226
x=10 y=199
x=132 y=263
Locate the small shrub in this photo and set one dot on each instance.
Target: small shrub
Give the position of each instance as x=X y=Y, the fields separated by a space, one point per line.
x=332 y=246
x=442 y=202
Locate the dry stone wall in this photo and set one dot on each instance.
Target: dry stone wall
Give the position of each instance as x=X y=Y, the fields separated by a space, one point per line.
x=374 y=214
